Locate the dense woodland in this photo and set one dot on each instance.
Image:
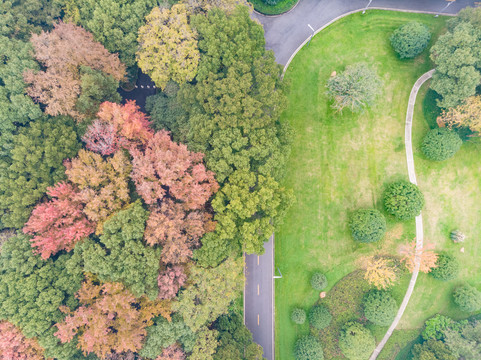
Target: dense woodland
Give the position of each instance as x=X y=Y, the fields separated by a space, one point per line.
x=123 y=231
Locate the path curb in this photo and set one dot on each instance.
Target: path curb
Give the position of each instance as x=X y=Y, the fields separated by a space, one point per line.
x=419 y=220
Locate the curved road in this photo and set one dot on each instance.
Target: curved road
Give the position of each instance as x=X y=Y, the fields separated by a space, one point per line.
x=284 y=35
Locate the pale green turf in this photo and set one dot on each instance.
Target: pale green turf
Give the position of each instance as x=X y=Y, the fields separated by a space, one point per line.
x=340 y=163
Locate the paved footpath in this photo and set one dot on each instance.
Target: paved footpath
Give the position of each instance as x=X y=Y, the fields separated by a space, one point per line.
x=419 y=219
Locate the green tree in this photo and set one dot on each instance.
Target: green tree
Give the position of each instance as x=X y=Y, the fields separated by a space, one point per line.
x=114 y=23
x=403 y=199
x=319 y=317
x=120 y=255
x=35 y=163
x=307 y=348
x=298 y=316
x=468 y=298
x=164 y=333
x=465 y=340
x=436 y=327
x=447 y=268
x=379 y=307
x=318 y=281
x=32 y=289
x=355 y=88
x=16 y=108
x=205 y=344
x=20 y=18
x=168 y=46
x=367 y=225
x=441 y=144
x=432 y=350
x=409 y=40
x=457 y=58
x=209 y=293
x=356 y=341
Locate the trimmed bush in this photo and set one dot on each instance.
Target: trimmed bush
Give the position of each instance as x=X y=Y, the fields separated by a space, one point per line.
x=403 y=199
x=308 y=348
x=298 y=316
x=319 y=317
x=367 y=225
x=379 y=307
x=356 y=342
x=447 y=268
x=318 y=281
x=468 y=298
x=441 y=144
x=410 y=39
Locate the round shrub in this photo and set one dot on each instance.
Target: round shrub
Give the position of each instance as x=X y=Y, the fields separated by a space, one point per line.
x=319 y=317
x=447 y=268
x=318 y=281
x=410 y=39
x=441 y=144
x=298 y=316
x=308 y=348
x=367 y=225
x=379 y=307
x=403 y=200
x=356 y=342
x=467 y=298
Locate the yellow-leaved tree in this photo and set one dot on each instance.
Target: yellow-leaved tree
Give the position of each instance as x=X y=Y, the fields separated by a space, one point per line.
x=466 y=115
x=168 y=46
x=381 y=272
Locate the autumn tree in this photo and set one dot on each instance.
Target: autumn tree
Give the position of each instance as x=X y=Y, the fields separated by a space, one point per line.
x=60 y=223
x=170 y=281
x=33 y=289
x=102 y=183
x=113 y=23
x=381 y=272
x=173 y=352
x=15 y=346
x=109 y=319
x=120 y=255
x=175 y=183
x=425 y=255
x=64 y=53
x=117 y=126
x=16 y=108
x=467 y=115
x=209 y=293
x=35 y=162
x=168 y=46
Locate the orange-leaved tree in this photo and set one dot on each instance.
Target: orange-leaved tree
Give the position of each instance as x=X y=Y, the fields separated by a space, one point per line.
x=425 y=256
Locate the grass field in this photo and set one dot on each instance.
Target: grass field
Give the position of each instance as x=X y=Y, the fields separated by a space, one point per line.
x=341 y=162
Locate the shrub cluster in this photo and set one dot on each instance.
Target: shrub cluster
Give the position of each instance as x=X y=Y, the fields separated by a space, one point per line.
x=468 y=298
x=403 y=199
x=441 y=144
x=298 y=316
x=447 y=268
x=410 y=39
x=356 y=342
x=367 y=225
x=308 y=348
x=319 y=317
x=379 y=307
x=318 y=281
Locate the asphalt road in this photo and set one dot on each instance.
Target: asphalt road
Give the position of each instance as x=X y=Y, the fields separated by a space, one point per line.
x=285 y=33
x=259 y=298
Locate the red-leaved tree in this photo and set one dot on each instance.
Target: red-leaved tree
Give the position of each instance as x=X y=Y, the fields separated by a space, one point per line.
x=170 y=281
x=59 y=223
x=109 y=320
x=15 y=346
x=117 y=126
x=62 y=52
x=176 y=184
x=173 y=352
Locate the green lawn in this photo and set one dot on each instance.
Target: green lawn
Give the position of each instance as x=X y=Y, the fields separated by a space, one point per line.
x=341 y=162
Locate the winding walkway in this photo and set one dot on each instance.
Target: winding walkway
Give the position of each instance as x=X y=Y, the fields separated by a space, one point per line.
x=419 y=219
